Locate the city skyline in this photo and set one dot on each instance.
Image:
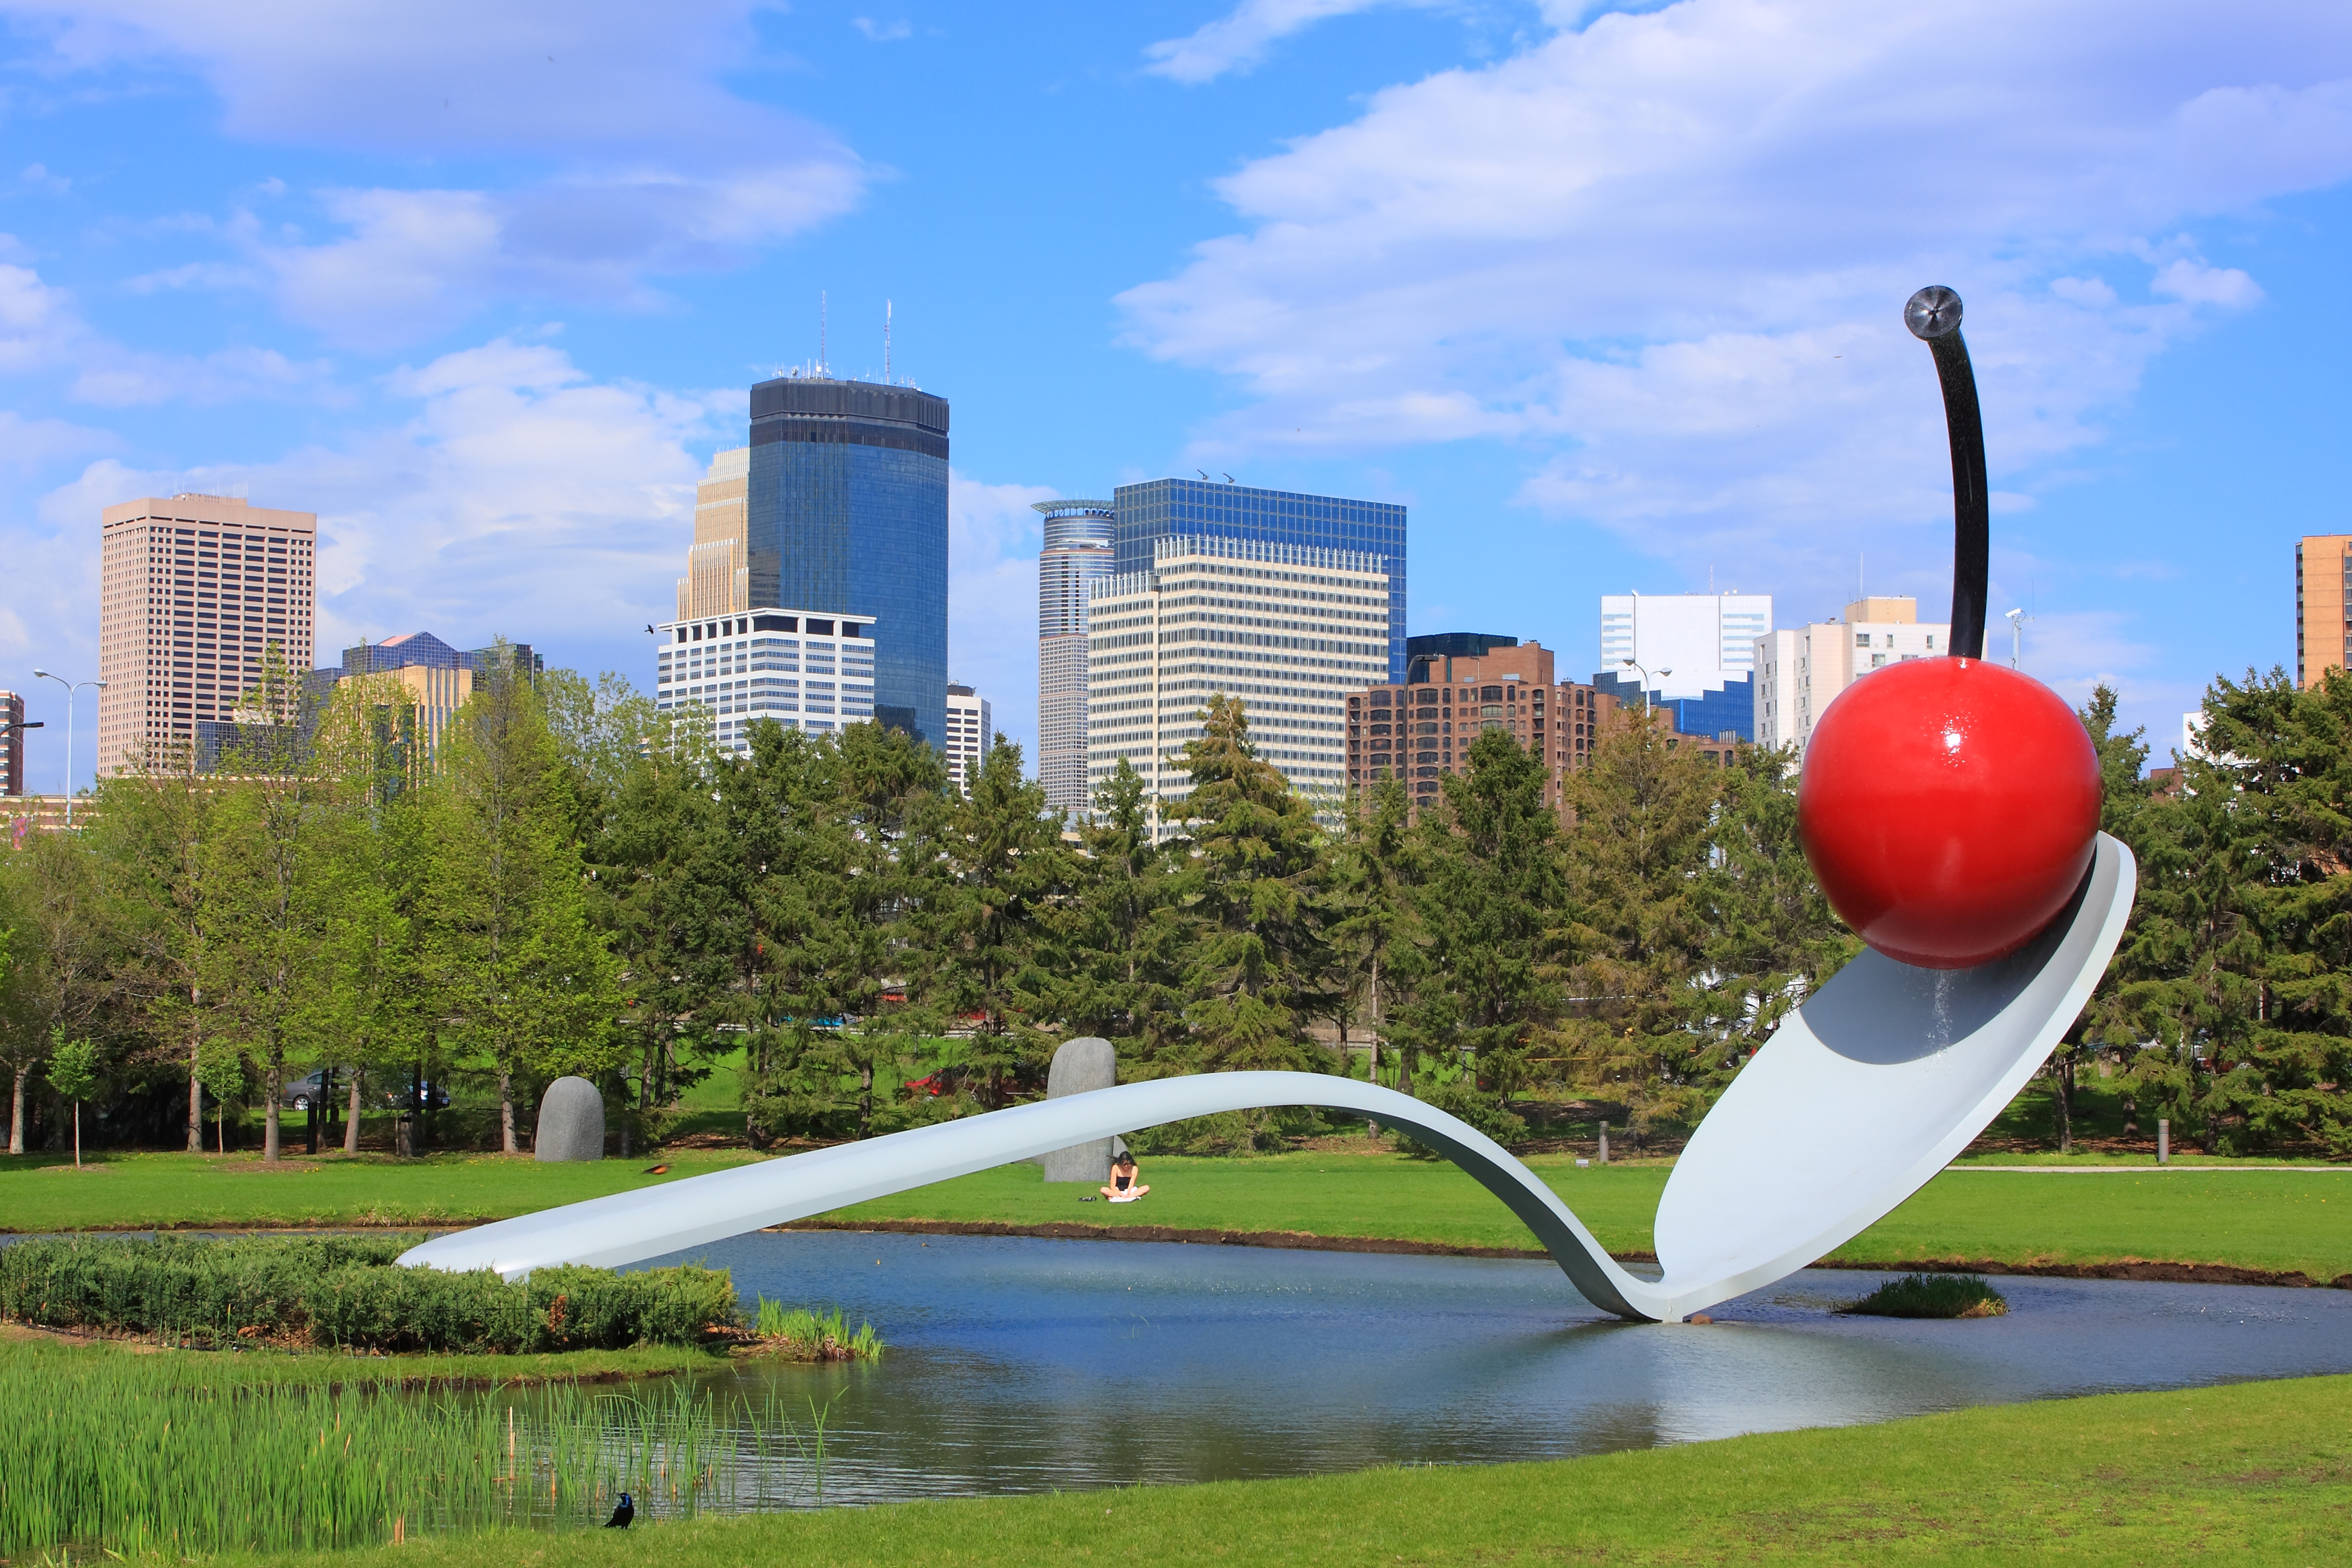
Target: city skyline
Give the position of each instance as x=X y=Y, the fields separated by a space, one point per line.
x=1425 y=255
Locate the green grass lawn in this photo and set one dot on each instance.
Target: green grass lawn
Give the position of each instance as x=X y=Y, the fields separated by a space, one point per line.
x=2254 y=1473
x=2294 y=1220
x=43 y=1192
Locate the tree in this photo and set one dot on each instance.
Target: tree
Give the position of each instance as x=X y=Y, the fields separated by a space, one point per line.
x=2123 y=798
x=152 y=836
x=525 y=981
x=73 y=1073
x=2235 y=968
x=1490 y=902
x=1118 y=937
x=65 y=966
x=1374 y=872
x=1770 y=938
x=1645 y=806
x=1253 y=909
x=1003 y=863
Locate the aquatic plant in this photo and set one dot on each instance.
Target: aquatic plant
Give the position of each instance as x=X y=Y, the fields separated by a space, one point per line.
x=165 y=1454
x=1932 y=1296
x=811 y=1336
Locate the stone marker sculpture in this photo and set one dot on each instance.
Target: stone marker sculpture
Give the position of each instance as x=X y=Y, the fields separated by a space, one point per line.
x=571 y=1121
x=1081 y=1067
x=1976 y=970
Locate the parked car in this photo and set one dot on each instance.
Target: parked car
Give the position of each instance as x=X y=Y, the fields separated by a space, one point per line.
x=300 y=1092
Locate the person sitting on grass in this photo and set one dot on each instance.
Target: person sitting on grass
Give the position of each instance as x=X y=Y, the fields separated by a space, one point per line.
x=1126 y=1180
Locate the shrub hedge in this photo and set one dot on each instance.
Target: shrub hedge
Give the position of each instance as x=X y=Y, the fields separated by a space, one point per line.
x=344 y=1291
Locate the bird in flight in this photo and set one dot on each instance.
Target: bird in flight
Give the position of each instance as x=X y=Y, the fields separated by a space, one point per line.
x=623 y=1512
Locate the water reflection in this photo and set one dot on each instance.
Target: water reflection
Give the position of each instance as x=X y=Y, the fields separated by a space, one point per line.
x=1022 y=1366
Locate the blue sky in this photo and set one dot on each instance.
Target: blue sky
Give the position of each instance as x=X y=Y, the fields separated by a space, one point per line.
x=1610 y=298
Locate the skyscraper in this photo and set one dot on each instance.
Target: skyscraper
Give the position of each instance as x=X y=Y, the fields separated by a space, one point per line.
x=1076 y=555
x=846 y=514
x=718 y=580
x=969 y=736
x=2323 y=608
x=1287 y=629
x=193 y=593
x=1163 y=508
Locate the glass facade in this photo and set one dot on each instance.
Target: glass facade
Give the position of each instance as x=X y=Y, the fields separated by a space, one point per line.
x=1729 y=710
x=846 y=511
x=1163 y=508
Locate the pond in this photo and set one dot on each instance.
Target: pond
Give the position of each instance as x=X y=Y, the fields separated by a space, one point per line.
x=1025 y=1365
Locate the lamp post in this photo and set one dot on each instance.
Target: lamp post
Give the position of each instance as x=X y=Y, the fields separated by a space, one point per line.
x=2017 y=619
x=1646 y=678
x=72 y=686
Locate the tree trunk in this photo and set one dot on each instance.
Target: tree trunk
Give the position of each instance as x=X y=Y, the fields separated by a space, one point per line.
x=865 y=1101
x=2065 y=1113
x=77 y=1134
x=17 y=1113
x=276 y=1086
x=351 y=1118
x=196 y=1103
x=506 y=1111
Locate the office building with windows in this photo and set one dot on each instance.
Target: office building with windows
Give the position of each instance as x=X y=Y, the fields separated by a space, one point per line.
x=968 y=734
x=1199 y=509
x=1076 y=554
x=196 y=595
x=813 y=673
x=1287 y=629
x=718 y=580
x=1462 y=684
x=1799 y=670
x=846 y=515
x=434 y=677
x=2323 y=606
x=1700 y=650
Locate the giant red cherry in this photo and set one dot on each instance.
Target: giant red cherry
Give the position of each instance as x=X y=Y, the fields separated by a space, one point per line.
x=1948 y=807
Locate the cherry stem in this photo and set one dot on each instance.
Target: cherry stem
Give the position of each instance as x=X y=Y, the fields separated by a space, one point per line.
x=1933 y=315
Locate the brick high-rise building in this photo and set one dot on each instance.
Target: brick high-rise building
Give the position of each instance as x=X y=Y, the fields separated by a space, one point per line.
x=1459 y=684
x=2323 y=609
x=193 y=593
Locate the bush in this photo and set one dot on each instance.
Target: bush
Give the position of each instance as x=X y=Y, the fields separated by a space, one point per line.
x=345 y=1291
x=1461 y=1100
x=1932 y=1296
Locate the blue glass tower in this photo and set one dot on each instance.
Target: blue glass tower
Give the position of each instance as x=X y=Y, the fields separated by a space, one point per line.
x=1159 y=508
x=847 y=509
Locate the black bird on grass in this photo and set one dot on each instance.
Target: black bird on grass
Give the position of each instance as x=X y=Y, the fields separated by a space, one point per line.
x=623 y=1512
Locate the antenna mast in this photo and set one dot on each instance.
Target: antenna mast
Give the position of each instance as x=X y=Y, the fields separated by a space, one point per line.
x=821 y=310
x=885 y=342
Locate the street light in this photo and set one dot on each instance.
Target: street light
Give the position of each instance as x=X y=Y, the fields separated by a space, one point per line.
x=2017 y=619
x=72 y=686
x=1646 y=678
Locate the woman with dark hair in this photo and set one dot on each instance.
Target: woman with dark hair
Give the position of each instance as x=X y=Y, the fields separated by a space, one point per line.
x=1126 y=1180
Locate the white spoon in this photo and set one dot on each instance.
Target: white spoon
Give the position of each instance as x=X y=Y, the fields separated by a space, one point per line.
x=1859 y=1098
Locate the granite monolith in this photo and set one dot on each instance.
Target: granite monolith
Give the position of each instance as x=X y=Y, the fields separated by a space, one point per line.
x=571 y=1121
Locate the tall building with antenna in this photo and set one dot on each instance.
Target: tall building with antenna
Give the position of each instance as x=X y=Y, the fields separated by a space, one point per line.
x=845 y=511
x=1076 y=554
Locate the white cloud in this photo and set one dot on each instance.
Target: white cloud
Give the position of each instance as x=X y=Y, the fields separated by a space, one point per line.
x=635 y=159
x=2201 y=285
x=1668 y=253
x=43 y=333
x=520 y=496
x=883 y=32
x=1243 y=37
x=993 y=538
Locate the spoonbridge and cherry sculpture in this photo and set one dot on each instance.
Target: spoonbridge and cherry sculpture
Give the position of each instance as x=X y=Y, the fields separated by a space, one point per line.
x=1950 y=809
